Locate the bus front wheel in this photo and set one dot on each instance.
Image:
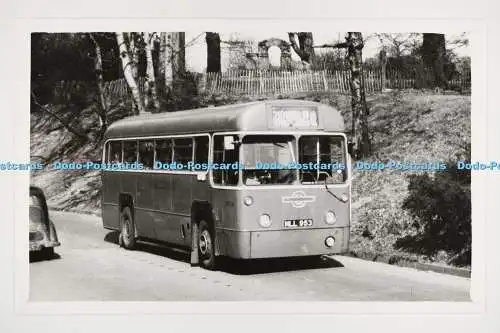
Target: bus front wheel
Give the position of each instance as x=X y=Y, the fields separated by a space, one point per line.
x=127 y=233
x=206 y=246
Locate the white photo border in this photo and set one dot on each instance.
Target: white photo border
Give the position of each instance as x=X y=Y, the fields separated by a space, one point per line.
x=484 y=147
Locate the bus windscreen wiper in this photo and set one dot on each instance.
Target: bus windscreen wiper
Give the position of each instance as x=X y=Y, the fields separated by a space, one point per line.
x=328 y=190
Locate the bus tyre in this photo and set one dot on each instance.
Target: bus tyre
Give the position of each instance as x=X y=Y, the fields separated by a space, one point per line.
x=206 y=246
x=127 y=233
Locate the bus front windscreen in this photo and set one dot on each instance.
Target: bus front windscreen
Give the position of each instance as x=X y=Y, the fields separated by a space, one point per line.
x=282 y=159
x=322 y=158
x=268 y=160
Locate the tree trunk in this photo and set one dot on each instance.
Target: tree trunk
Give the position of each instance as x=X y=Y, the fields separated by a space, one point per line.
x=134 y=55
x=162 y=62
x=213 y=52
x=179 y=63
x=151 y=99
x=179 y=54
x=305 y=48
x=358 y=100
x=103 y=110
x=383 y=62
x=169 y=64
x=172 y=63
x=128 y=73
x=434 y=57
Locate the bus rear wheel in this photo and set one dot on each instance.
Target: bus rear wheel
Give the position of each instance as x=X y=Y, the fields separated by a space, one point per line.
x=127 y=233
x=206 y=246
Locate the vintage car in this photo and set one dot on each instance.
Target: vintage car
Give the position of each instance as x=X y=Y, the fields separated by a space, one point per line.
x=43 y=236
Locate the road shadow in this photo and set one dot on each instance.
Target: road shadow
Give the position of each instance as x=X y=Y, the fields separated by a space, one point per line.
x=275 y=265
x=160 y=249
x=38 y=256
x=112 y=237
x=235 y=266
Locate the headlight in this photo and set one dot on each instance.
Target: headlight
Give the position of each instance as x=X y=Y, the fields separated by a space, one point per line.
x=330 y=241
x=265 y=221
x=248 y=200
x=330 y=217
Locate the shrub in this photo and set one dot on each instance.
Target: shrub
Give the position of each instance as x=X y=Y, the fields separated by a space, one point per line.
x=441 y=207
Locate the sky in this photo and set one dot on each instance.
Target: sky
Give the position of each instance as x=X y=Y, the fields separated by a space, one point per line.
x=196 y=51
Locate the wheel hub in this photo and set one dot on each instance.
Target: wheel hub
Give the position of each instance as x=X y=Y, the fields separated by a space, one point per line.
x=205 y=243
x=126 y=227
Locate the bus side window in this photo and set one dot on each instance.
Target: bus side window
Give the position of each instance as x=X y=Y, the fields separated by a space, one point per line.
x=115 y=152
x=107 y=156
x=201 y=149
x=164 y=151
x=183 y=151
x=130 y=151
x=146 y=153
x=218 y=158
x=227 y=157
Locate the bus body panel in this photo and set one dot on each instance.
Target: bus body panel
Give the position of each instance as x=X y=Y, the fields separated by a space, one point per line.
x=110 y=213
x=291 y=243
x=109 y=201
x=133 y=186
x=241 y=236
x=143 y=204
x=234 y=244
x=233 y=214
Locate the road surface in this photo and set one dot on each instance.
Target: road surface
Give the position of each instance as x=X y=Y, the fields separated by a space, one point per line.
x=89 y=265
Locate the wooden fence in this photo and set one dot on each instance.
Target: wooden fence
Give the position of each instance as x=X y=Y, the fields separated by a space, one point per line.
x=251 y=82
x=254 y=82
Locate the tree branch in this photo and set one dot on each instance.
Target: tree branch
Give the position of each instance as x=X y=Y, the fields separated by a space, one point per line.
x=338 y=45
x=64 y=123
x=295 y=47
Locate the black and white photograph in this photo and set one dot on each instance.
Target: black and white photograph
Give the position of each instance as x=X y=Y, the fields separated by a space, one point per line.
x=250 y=166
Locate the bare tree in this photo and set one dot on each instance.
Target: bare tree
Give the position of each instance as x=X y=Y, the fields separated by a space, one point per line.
x=354 y=44
x=457 y=42
x=103 y=110
x=128 y=71
x=398 y=44
x=150 y=96
x=304 y=48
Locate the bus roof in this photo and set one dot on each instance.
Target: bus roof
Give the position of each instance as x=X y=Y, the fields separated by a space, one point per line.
x=253 y=116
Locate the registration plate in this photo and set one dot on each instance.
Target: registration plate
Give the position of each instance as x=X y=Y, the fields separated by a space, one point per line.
x=298 y=223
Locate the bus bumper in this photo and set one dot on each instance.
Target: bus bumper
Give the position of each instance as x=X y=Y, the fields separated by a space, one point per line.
x=282 y=243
